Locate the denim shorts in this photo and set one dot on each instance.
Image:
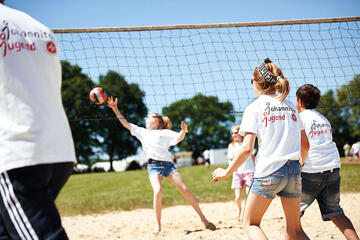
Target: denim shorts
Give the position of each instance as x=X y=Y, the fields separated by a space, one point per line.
x=325 y=188
x=285 y=182
x=162 y=168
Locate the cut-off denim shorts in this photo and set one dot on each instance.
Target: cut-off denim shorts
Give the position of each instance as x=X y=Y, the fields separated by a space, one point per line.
x=325 y=188
x=284 y=182
x=162 y=168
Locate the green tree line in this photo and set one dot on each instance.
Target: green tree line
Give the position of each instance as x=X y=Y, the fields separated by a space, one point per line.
x=342 y=108
x=96 y=131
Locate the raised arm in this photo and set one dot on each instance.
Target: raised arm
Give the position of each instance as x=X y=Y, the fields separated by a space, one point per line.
x=184 y=130
x=113 y=105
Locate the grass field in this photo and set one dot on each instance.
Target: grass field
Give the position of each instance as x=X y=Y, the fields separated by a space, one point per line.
x=103 y=192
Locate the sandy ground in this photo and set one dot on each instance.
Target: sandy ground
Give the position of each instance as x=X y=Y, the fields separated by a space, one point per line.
x=182 y=223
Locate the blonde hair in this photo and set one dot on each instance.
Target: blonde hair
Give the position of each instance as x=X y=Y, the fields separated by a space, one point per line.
x=164 y=121
x=282 y=84
x=233 y=129
x=167 y=122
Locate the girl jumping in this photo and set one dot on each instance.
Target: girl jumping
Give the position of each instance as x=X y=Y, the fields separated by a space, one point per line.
x=156 y=139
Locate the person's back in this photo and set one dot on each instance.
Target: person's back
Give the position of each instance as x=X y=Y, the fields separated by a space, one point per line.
x=323 y=153
x=278 y=133
x=283 y=147
x=36 y=147
x=33 y=125
x=321 y=172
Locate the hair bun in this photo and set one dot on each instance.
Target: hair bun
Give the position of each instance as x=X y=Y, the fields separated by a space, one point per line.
x=267 y=60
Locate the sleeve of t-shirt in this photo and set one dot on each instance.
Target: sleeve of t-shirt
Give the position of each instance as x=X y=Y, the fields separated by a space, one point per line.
x=302 y=123
x=137 y=131
x=230 y=153
x=249 y=121
x=173 y=137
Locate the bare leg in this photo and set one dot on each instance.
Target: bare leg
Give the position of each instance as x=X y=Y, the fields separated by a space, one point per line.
x=255 y=209
x=291 y=208
x=178 y=181
x=238 y=198
x=155 y=181
x=346 y=227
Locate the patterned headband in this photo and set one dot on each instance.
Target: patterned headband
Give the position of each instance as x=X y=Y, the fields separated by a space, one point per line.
x=265 y=73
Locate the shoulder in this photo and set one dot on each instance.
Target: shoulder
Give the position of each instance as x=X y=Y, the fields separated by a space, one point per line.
x=290 y=104
x=134 y=127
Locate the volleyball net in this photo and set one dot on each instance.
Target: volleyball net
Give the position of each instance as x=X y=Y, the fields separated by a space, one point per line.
x=172 y=63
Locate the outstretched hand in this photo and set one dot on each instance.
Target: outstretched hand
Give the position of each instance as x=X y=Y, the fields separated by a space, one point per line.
x=112 y=103
x=184 y=127
x=218 y=173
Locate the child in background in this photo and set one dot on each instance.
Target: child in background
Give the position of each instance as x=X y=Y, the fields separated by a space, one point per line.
x=282 y=141
x=321 y=172
x=244 y=174
x=156 y=139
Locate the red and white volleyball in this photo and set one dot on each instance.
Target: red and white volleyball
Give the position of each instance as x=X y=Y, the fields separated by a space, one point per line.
x=98 y=95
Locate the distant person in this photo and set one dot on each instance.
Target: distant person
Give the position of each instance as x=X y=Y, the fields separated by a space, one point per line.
x=347 y=152
x=36 y=147
x=283 y=146
x=206 y=155
x=156 y=139
x=321 y=172
x=244 y=175
x=355 y=149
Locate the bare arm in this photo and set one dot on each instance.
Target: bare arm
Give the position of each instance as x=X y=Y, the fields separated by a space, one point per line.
x=184 y=130
x=305 y=145
x=240 y=157
x=113 y=105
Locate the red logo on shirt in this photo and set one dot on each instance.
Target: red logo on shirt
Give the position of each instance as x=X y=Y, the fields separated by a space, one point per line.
x=272 y=119
x=14 y=46
x=50 y=46
x=294 y=117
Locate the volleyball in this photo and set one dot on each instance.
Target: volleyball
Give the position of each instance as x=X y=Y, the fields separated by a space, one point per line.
x=98 y=95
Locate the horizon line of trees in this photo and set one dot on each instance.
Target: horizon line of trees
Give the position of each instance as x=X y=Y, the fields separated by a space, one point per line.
x=96 y=131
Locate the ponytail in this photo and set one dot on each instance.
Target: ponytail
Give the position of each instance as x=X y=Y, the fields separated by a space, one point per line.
x=166 y=122
x=272 y=80
x=283 y=87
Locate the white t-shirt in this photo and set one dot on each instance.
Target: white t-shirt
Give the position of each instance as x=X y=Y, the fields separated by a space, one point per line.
x=247 y=166
x=323 y=153
x=33 y=125
x=155 y=143
x=356 y=147
x=206 y=154
x=278 y=128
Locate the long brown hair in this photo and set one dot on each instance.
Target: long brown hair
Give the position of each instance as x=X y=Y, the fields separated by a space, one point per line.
x=282 y=84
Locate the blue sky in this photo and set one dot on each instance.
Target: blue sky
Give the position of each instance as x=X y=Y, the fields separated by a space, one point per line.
x=58 y=14
x=114 y=13
x=173 y=60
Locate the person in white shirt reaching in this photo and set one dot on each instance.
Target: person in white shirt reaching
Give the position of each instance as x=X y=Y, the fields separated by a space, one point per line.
x=156 y=139
x=244 y=175
x=321 y=172
x=282 y=141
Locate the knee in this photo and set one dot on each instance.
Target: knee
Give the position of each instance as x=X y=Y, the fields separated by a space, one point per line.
x=237 y=198
x=158 y=193
x=249 y=226
x=185 y=189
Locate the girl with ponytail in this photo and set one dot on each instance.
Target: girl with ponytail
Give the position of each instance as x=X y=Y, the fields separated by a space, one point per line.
x=156 y=139
x=283 y=148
